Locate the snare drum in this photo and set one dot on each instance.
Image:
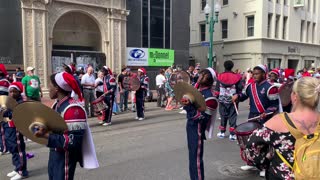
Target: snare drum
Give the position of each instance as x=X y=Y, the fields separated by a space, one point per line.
x=243 y=132
x=99 y=105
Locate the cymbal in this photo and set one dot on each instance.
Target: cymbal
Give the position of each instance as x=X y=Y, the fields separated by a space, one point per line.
x=6 y=102
x=183 y=88
x=28 y=114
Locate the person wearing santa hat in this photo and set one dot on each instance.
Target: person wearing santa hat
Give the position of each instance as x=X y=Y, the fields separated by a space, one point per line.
x=289 y=76
x=14 y=139
x=263 y=99
x=141 y=93
x=198 y=121
x=109 y=88
x=273 y=76
x=4 y=85
x=75 y=144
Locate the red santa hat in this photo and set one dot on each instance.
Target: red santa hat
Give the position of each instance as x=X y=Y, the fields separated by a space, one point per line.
x=289 y=73
x=262 y=67
x=143 y=70
x=68 y=83
x=108 y=69
x=3 y=69
x=275 y=71
x=213 y=72
x=16 y=85
x=72 y=68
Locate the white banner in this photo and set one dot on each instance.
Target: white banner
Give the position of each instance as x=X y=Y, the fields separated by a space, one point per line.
x=137 y=56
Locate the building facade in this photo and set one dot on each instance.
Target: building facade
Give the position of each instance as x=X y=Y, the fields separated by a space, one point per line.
x=160 y=24
x=10 y=33
x=53 y=32
x=279 y=33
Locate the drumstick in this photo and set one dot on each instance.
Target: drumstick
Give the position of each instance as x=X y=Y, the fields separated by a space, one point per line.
x=258 y=117
x=236 y=108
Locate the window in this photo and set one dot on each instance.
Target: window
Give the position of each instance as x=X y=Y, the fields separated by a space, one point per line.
x=273 y=63
x=309 y=5
x=203 y=4
x=145 y=24
x=202 y=32
x=156 y=23
x=308 y=63
x=285 y=2
x=276 y=33
x=269 y=25
x=314 y=33
x=314 y=6
x=278 y=1
x=285 y=26
x=168 y=24
x=307 y=36
x=250 y=26
x=224 y=27
x=225 y=2
x=302 y=31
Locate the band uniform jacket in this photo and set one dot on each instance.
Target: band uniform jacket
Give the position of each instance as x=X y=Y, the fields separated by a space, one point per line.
x=263 y=97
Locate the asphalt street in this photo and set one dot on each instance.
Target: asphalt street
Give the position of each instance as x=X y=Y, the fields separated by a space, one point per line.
x=153 y=149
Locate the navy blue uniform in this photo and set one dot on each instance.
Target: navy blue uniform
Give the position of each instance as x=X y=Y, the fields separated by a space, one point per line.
x=109 y=87
x=140 y=95
x=263 y=99
x=228 y=84
x=15 y=144
x=66 y=148
x=197 y=123
x=4 y=85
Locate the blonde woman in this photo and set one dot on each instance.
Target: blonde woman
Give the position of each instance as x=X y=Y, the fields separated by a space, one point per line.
x=275 y=134
x=169 y=89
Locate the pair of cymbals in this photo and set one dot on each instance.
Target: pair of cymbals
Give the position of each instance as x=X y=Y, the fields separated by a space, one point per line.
x=182 y=88
x=6 y=103
x=29 y=116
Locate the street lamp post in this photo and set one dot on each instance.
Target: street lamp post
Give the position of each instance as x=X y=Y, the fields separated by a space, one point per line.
x=213 y=19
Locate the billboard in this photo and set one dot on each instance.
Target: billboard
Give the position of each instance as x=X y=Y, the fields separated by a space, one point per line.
x=149 y=57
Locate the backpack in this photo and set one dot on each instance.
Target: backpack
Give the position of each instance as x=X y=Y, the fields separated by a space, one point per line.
x=306 y=154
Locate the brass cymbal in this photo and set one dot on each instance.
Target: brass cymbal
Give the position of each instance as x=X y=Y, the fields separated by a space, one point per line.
x=6 y=103
x=27 y=114
x=183 y=88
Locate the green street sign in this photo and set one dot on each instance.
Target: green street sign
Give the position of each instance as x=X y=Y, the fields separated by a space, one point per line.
x=160 y=57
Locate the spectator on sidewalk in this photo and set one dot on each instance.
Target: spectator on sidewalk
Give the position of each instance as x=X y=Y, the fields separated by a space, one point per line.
x=124 y=94
x=160 y=80
x=88 y=83
x=99 y=85
x=32 y=86
x=19 y=74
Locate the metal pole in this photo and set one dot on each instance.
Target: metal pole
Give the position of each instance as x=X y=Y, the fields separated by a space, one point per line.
x=211 y=30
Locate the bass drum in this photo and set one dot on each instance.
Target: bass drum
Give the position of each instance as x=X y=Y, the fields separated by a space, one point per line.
x=179 y=76
x=285 y=93
x=243 y=132
x=131 y=83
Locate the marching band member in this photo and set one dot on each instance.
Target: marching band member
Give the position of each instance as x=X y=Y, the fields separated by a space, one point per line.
x=75 y=144
x=198 y=120
x=14 y=138
x=228 y=84
x=289 y=76
x=109 y=88
x=263 y=99
x=141 y=93
x=4 y=85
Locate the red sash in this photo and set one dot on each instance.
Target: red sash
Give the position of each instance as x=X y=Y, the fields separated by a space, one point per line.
x=105 y=89
x=256 y=99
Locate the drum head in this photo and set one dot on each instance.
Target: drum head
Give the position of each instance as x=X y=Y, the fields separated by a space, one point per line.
x=180 y=76
x=247 y=127
x=131 y=83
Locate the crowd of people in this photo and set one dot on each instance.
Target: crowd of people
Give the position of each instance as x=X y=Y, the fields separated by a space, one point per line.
x=283 y=135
